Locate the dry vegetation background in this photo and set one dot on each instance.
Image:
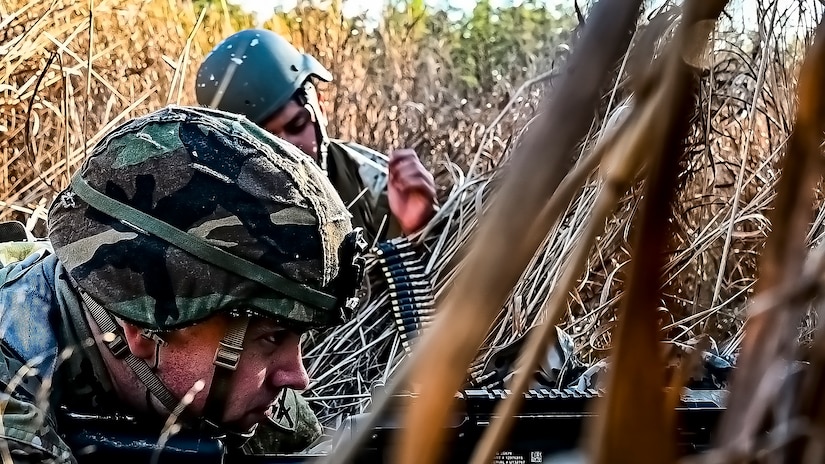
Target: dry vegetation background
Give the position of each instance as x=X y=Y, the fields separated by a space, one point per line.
x=415 y=79
x=451 y=88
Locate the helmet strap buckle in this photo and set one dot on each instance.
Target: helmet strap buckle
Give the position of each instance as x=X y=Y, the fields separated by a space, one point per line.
x=152 y=335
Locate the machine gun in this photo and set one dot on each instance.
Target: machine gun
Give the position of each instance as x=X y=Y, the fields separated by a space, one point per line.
x=550 y=422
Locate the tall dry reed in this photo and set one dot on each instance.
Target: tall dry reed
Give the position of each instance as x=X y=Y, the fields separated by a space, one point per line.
x=399 y=86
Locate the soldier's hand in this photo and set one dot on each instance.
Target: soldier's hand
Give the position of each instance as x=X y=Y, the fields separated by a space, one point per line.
x=411 y=190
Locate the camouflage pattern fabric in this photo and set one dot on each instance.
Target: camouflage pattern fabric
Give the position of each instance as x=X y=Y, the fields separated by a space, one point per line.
x=209 y=174
x=34 y=300
x=216 y=176
x=291 y=428
x=25 y=312
x=28 y=432
x=52 y=321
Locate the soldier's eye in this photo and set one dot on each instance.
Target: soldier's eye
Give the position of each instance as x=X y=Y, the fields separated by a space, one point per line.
x=277 y=337
x=298 y=123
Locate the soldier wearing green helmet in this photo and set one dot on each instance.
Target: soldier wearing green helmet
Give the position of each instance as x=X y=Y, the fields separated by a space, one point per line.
x=259 y=74
x=185 y=259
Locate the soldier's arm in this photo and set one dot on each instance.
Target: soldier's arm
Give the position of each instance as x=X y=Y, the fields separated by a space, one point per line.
x=385 y=221
x=28 y=431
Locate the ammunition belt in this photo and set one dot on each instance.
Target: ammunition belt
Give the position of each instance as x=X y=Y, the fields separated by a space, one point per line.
x=410 y=291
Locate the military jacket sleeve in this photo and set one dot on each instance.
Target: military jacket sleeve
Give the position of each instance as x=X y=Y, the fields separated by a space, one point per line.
x=27 y=426
x=371 y=212
x=27 y=433
x=381 y=209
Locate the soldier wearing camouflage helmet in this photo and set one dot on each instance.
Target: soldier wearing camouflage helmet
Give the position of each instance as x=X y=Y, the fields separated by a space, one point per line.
x=260 y=75
x=189 y=253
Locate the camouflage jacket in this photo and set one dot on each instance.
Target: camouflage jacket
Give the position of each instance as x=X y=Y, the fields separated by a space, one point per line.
x=48 y=364
x=370 y=210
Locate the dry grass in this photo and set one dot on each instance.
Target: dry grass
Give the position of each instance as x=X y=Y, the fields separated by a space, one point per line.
x=740 y=126
x=392 y=88
x=53 y=106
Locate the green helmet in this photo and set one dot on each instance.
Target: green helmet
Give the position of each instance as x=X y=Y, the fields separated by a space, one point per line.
x=185 y=212
x=254 y=72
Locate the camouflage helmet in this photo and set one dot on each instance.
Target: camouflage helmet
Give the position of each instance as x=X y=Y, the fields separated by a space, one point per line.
x=185 y=212
x=254 y=72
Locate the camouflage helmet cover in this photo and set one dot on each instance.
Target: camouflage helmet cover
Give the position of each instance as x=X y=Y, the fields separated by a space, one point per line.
x=214 y=176
x=254 y=72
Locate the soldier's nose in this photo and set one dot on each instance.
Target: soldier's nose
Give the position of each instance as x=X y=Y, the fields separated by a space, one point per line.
x=289 y=372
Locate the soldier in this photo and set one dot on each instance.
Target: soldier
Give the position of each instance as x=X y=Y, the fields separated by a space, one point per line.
x=259 y=74
x=186 y=258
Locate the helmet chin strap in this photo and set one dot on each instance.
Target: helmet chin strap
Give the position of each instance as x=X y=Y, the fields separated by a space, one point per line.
x=226 y=361
x=120 y=350
x=227 y=357
x=309 y=99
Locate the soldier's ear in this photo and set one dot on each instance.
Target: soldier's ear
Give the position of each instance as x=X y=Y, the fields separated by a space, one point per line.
x=140 y=346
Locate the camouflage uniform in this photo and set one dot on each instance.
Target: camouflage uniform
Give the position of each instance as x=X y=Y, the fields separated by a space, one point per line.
x=227 y=186
x=370 y=210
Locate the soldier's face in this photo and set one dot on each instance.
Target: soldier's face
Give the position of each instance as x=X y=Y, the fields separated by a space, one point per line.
x=270 y=362
x=295 y=124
